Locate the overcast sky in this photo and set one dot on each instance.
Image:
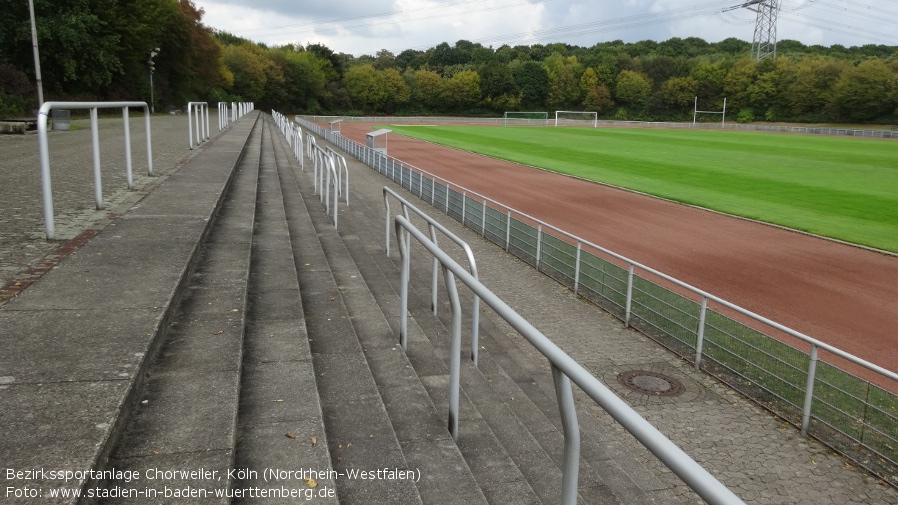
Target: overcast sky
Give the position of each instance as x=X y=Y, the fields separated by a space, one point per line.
x=362 y=27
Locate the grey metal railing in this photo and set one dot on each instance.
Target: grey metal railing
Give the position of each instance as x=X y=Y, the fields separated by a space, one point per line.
x=200 y=123
x=854 y=415
x=564 y=370
x=231 y=112
x=433 y=227
x=44 y=150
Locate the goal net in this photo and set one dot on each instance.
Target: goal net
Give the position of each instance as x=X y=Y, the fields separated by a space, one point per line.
x=525 y=119
x=576 y=118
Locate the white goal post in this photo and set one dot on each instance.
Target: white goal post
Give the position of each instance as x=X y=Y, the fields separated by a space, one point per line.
x=576 y=118
x=723 y=113
x=525 y=118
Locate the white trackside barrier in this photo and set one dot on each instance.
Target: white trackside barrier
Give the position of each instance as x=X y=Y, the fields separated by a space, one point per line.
x=44 y=150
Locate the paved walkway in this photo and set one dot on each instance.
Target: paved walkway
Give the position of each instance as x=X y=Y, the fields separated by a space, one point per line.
x=24 y=250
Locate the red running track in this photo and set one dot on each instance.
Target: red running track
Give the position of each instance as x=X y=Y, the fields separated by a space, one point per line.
x=843 y=295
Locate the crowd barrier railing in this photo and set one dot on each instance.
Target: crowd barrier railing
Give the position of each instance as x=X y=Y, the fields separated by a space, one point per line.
x=44 y=150
x=433 y=227
x=200 y=123
x=564 y=371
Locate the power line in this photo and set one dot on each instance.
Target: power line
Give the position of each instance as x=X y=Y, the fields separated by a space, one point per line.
x=603 y=26
x=853 y=30
x=328 y=24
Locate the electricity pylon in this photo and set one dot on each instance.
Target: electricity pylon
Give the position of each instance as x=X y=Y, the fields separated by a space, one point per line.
x=764 y=43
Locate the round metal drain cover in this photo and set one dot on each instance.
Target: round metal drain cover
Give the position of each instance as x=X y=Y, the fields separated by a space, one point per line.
x=651 y=383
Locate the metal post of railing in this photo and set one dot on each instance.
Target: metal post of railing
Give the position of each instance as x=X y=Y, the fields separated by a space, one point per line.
x=433 y=190
x=454 y=352
x=507 y=230
x=405 y=251
x=629 y=296
x=434 y=270
x=571 y=431
x=95 y=140
x=483 y=220
x=577 y=269
x=539 y=244
x=207 y=122
x=146 y=121
x=809 y=391
x=700 y=338
x=464 y=198
x=128 y=175
x=447 y=198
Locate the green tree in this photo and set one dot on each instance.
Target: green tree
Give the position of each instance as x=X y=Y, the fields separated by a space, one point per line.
x=462 y=90
x=633 y=89
x=811 y=90
x=497 y=85
x=246 y=63
x=365 y=88
x=428 y=89
x=865 y=92
x=304 y=80
x=397 y=90
x=679 y=93
x=533 y=81
x=564 y=81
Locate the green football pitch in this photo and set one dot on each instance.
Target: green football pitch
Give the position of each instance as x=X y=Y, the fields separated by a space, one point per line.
x=844 y=188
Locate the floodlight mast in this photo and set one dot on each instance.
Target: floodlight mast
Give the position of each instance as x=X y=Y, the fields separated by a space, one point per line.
x=764 y=41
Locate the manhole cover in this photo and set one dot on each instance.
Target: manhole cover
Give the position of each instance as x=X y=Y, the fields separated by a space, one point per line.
x=651 y=383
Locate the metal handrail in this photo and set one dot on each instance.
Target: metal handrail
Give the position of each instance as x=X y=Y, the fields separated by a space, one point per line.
x=202 y=122
x=325 y=163
x=433 y=227
x=341 y=161
x=44 y=150
x=564 y=370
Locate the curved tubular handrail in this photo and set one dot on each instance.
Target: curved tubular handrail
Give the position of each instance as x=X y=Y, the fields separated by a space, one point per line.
x=696 y=477
x=44 y=150
x=433 y=227
x=341 y=161
x=322 y=185
x=202 y=122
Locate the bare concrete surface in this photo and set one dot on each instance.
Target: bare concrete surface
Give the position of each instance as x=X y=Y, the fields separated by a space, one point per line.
x=25 y=252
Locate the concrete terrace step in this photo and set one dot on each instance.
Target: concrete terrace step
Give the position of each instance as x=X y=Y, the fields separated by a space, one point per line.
x=77 y=343
x=187 y=414
x=377 y=412
x=510 y=413
x=280 y=423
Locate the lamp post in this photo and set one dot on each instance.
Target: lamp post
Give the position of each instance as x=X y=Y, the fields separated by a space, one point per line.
x=37 y=59
x=153 y=54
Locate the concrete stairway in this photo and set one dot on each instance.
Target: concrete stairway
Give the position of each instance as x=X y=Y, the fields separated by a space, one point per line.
x=510 y=435
x=281 y=378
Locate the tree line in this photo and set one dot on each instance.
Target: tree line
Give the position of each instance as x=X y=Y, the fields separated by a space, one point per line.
x=99 y=50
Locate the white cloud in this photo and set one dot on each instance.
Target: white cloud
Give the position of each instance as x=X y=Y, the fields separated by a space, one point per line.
x=359 y=28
